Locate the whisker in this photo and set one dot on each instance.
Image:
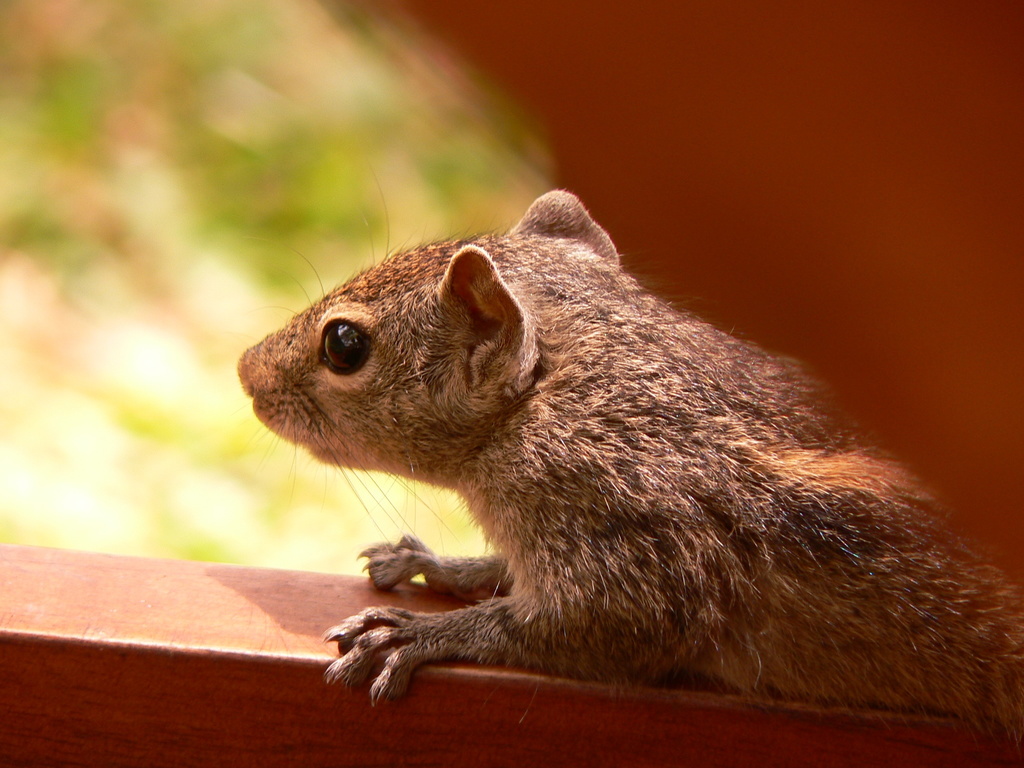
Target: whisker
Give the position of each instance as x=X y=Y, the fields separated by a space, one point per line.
x=302 y=288
x=387 y=214
x=364 y=478
x=371 y=477
x=269 y=450
x=347 y=475
x=316 y=273
x=410 y=489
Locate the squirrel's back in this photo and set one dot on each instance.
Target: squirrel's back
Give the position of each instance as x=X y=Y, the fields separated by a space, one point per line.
x=793 y=556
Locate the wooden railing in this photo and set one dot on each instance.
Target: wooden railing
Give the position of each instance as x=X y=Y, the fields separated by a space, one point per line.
x=115 y=661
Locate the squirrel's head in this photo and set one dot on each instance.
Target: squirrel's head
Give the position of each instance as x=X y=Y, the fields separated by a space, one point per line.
x=412 y=365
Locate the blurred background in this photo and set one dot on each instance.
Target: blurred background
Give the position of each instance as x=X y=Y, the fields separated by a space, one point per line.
x=178 y=179
x=840 y=182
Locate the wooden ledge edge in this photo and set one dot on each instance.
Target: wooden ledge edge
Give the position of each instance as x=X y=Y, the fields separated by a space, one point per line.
x=110 y=660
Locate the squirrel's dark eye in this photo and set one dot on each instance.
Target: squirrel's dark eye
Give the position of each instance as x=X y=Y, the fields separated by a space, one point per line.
x=345 y=347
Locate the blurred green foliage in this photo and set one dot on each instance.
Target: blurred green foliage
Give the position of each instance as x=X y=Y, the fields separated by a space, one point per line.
x=177 y=179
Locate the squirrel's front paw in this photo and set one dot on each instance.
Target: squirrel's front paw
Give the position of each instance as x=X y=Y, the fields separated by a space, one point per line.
x=391 y=564
x=363 y=638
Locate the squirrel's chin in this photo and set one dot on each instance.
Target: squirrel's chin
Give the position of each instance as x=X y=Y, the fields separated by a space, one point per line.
x=343 y=457
x=329 y=455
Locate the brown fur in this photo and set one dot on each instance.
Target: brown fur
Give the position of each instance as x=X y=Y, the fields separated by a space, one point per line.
x=661 y=496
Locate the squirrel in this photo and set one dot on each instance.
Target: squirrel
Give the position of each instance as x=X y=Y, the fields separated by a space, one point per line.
x=662 y=498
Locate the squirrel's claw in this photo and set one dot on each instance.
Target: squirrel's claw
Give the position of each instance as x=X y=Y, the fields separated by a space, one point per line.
x=362 y=638
x=391 y=564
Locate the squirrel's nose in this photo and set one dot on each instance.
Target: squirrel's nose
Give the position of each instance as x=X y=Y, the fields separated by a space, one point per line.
x=245 y=372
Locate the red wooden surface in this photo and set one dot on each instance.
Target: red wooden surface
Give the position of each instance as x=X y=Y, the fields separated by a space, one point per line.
x=114 y=661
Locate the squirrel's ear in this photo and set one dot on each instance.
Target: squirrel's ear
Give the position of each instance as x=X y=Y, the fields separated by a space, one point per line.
x=502 y=333
x=473 y=280
x=561 y=214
